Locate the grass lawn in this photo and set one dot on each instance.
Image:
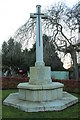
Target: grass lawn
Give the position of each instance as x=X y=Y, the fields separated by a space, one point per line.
x=11 y=112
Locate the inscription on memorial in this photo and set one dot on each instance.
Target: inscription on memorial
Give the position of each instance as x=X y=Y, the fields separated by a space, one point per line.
x=40 y=73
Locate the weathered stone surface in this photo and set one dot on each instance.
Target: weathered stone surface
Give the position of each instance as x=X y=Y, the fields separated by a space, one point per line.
x=27 y=106
x=53 y=85
x=40 y=75
x=40 y=93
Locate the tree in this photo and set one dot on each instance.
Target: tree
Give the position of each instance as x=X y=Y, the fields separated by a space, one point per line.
x=50 y=55
x=61 y=26
x=13 y=56
x=11 y=53
x=62 y=41
x=28 y=58
x=4 y=53
x=73 y=16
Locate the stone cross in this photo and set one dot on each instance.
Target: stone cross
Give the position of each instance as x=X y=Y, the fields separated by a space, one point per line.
x=39 y=36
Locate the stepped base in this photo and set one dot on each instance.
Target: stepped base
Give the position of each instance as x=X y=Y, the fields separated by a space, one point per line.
x=27 y=106
x=40 y=93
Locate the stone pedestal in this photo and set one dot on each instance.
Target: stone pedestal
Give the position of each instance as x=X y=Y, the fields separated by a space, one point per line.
x=40 y=93
x=40 y=87
x=40 y=75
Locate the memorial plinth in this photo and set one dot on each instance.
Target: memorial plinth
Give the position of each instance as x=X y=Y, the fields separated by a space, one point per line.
x=40 y=75
x=40 y=87
x=40 y=94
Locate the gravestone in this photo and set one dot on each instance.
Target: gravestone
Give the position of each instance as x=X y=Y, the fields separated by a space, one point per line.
x=40 y=94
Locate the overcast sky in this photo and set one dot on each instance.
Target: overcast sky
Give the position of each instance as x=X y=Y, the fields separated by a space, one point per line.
x=14 y=13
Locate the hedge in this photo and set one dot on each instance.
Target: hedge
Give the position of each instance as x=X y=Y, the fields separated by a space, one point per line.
x=12 y=82
x=70 y=85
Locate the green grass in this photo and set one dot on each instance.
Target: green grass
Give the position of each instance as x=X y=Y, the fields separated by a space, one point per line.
x=11 y=112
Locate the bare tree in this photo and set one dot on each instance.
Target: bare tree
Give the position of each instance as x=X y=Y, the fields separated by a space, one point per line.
x=61 y=25
x=66 y=20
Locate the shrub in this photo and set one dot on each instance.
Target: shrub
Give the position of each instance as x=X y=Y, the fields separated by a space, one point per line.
x=12 y=82
x=70 y=85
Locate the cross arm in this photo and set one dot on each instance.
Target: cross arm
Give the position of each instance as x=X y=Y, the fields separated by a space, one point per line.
x=43 y=16
x=32 y=15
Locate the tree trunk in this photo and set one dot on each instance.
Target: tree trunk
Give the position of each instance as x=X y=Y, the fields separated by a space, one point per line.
x=75 y=65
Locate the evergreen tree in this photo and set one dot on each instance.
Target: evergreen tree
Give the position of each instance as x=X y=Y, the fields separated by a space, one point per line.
x=11 y=53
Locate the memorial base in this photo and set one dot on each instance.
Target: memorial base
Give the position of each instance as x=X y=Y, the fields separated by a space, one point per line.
x=29 y=106
x=40 y=94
